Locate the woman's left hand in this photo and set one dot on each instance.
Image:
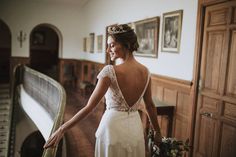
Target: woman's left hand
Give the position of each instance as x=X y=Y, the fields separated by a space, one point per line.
x=54 y=139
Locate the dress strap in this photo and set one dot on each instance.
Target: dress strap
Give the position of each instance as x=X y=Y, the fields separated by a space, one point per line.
x=145 y=88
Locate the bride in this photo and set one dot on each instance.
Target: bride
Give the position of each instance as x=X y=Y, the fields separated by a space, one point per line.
x=120 y=132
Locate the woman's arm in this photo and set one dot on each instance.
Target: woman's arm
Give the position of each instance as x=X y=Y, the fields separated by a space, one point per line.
x=96 y=96
x=151 y=111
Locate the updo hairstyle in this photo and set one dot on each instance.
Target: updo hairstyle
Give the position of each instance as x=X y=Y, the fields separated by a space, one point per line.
x=124 y=35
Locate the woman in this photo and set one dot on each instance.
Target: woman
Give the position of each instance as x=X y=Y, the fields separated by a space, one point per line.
x=120 y=133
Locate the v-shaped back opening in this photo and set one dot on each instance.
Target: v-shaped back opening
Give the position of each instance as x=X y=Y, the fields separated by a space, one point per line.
x=126 y=103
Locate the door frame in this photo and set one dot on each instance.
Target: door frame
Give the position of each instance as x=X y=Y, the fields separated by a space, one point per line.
x=10 y=55
x=202 y=4
x=60 y=39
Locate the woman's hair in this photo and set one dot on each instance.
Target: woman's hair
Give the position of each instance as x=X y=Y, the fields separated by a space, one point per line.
x=124 y=35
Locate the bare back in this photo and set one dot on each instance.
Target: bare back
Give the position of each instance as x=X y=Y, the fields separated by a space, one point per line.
x=132 y=78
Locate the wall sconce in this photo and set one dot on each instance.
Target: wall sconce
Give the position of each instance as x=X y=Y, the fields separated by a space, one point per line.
x=21 y=37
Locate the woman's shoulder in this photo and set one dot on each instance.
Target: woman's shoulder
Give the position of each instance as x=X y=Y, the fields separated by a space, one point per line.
x=138 y=67
x=105 y=72
x=143 y=68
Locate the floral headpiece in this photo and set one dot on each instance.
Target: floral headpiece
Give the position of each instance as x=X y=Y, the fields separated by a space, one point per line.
x=119 y=29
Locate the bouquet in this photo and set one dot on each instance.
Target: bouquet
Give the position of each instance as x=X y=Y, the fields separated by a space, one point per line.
x=169 y=147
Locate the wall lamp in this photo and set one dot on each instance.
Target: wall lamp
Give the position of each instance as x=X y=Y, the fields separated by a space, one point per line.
x=21 y=37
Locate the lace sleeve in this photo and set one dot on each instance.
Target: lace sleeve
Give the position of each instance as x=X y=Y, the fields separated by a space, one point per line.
x=105 y=72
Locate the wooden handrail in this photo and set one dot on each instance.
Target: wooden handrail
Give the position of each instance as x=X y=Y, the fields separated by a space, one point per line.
x=32 y=81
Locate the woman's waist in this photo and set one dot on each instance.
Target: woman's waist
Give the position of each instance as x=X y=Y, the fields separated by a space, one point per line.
x=122 y=108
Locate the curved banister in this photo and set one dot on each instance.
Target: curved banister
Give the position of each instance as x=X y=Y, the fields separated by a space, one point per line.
x=47 y=92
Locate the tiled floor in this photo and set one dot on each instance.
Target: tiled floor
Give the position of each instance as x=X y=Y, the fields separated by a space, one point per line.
x=81 y=138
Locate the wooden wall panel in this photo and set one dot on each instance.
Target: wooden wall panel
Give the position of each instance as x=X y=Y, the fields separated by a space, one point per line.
x=177 y=93
x=170 y=96
x=163 y=123
x=183 y=105
x=183 y=116
x=17 y=60
x=83 y=71
x=67 y=72
x=181 y=128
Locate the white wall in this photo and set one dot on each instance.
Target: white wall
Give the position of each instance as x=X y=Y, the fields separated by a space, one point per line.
x=26 y=14
x=101 y=13
x=75 y=23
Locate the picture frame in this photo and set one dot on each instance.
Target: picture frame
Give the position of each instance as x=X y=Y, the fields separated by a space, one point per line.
x=85 y=44
x=38 y=38
x=99 y=43
x=147 y=34
x=88 y=44
x=171 y=31
x=91 y=37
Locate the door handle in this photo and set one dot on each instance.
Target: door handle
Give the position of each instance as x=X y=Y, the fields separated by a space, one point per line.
x=207 y=114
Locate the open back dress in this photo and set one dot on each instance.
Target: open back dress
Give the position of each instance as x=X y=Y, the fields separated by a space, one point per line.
x=120 y=132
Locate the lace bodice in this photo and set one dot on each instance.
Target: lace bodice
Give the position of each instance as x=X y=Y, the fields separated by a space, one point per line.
x=114 y=96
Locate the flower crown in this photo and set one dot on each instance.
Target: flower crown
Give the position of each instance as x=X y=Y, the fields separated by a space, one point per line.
x=117 y=29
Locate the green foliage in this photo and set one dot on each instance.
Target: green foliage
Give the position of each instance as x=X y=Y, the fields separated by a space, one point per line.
x=170 y=147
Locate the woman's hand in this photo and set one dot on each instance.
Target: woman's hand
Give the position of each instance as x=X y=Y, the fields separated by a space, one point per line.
x=55 y=138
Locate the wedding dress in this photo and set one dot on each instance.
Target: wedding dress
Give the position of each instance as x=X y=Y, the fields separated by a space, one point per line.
x=120 y=132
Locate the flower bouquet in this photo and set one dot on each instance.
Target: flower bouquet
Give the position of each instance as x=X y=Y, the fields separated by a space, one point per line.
x=169 y=147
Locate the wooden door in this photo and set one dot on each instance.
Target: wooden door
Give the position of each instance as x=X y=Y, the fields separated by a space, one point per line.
x=215 y=131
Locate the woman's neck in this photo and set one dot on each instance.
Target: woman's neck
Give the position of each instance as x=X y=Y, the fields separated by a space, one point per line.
x=127 y=58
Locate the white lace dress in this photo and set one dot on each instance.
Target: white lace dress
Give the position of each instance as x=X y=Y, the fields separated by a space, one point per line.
x=120 y=132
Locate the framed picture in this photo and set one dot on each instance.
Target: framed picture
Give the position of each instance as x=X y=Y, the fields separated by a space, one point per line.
x=99 y=43
x=91 y=37
x=38 y=38
x=171 y=31
x=147 y=33
x=85 y=44
x=88 y=44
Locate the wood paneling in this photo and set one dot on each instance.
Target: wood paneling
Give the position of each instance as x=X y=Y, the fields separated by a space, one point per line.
x=18 y=60
x=181 y=128
x=80 y=71
x=89 y=70
x=177 y=93
x=67 y=72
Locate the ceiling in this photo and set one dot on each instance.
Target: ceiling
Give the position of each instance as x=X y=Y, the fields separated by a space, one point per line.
x=73 y=2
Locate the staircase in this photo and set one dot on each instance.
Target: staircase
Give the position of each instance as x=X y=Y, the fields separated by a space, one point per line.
x=4 y=118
